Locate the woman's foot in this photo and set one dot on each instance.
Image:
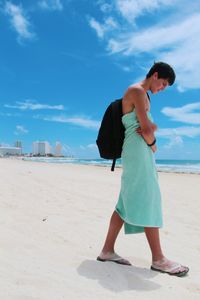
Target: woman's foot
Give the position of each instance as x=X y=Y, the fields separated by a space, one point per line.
x=167 y=266
x=113 y=257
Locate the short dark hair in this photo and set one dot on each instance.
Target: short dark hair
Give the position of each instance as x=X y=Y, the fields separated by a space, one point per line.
x=164 y=71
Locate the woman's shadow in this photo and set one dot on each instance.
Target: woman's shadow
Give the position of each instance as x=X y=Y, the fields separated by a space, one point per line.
x=118 y=278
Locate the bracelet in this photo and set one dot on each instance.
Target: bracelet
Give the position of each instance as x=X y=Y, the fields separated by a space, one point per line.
x=153 y=143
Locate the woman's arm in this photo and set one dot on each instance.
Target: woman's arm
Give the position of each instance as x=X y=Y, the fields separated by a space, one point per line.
x=153 y=126
x=137 y=97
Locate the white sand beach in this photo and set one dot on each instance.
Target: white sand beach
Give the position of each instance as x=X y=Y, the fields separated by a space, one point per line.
x=53 y=221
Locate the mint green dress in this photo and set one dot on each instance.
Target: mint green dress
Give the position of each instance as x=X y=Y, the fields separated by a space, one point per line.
x=139 y=203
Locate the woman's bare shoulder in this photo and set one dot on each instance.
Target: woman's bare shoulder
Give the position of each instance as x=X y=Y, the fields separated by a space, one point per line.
x=134 y=93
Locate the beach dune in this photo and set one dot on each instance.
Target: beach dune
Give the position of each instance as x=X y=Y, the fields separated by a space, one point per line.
x=53 y=221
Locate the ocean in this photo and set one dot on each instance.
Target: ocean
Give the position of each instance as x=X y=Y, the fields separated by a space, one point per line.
x=163 y=165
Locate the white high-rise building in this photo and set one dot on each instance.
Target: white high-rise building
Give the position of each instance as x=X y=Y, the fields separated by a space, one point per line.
x=41 y=148
x=58 y=149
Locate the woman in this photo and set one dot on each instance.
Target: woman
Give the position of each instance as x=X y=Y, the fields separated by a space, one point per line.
x=139 y=203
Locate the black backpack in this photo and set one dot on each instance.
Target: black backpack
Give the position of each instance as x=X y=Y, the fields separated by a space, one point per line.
x=111 y=133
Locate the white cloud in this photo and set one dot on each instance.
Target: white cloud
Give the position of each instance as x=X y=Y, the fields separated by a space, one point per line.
x=97 y=27
x=32 y=105
x=101 y=29
x=20 y=130
x=187 y=131
x=9 y=114
x=175 y=135
x=172 y=38
x=184 y=114
x=131 y=9
x=88 y=151
x=79 y=121
x=157 y=37
x=67 y=150
x=92 y=146
x=50 y=4
x=105 y=7
x=18 y=20
x=174 y=142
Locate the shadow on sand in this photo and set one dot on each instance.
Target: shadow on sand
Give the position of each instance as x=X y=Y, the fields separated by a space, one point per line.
x=118 y=278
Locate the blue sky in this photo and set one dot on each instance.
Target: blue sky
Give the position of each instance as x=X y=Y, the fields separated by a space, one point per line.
x=62 y=62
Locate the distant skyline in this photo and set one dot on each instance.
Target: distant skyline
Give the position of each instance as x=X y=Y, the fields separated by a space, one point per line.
x=54 y=148
x=62 y=62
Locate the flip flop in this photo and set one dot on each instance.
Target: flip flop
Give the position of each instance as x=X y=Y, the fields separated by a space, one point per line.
x=116 y=259
x=169 y=267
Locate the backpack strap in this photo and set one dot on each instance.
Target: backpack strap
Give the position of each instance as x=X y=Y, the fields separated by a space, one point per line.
x=113 y=164
x=148 y=97
x=117 y=110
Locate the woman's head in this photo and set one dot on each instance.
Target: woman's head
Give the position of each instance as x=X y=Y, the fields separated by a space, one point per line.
x=164 y=71
x=160 y=76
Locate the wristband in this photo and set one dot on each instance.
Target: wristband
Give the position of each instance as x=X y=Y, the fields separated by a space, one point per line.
x=153 y=143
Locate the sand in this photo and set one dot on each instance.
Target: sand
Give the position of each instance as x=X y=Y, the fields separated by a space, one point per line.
x=53 y=221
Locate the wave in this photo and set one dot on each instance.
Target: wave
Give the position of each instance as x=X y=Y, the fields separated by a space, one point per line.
x=175 y=166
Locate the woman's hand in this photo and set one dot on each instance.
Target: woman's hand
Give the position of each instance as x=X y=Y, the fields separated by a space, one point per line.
x=153 y=126
x=154 y=148
x=139 y=130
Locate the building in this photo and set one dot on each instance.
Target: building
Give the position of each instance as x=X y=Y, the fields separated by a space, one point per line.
x=42 y=148
x=8 y=151
x=18 y=144
x=58 y=149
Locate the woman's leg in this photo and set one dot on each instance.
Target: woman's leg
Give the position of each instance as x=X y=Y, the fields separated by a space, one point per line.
x=108 y=252
x=159 y=262
x=152 y=234
x=114 y=228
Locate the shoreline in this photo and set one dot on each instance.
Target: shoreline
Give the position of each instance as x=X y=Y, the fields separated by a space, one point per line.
x=98 y=165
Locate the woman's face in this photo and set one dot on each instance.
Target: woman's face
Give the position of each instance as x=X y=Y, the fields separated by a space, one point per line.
x=158 y=84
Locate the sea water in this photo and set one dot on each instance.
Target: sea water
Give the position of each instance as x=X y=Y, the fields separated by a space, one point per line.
x=165 y=165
